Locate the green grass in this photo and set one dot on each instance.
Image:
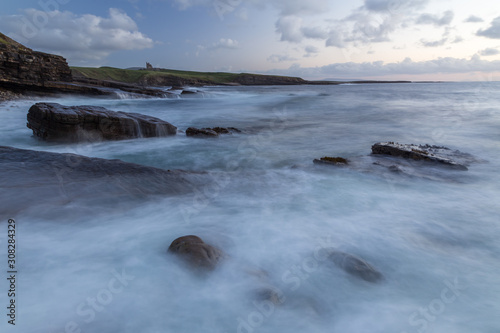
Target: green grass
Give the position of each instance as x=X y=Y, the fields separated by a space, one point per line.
x=109 y=73
x=134 y=76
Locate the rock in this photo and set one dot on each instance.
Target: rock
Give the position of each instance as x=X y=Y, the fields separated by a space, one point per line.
x=197 y=253
x=354 y=266
x=332 y=160
x=203 y=132
x=211 y=132
x=22 y=67
x=46 y=182
x=429 y=153
x=55 y=122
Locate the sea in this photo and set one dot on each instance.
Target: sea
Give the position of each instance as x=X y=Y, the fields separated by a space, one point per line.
x=432 y=232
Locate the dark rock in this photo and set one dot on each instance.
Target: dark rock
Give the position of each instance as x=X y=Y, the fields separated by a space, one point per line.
x=45 y=182
x=21 y=66
x=203 y=132
x=332 y=160
x=354 y=266
x=197 y=253
x=211 y=132
x=429 y=153
x=55 y=122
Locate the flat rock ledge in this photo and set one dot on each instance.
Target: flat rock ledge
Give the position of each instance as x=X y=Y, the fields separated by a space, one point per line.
x=56 y=122
x=429 y=153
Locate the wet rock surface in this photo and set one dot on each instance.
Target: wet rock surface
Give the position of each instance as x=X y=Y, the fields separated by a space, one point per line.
x=354 y=266
x=430 y=153
x=55 y=122
x=195 y=252
x=210 y=132
x=339 y=161
x=37 y=178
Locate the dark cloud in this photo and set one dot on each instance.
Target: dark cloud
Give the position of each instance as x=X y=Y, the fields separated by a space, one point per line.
x=435 y=43
x=489 y=52
x=493 y=31
x=393 y=6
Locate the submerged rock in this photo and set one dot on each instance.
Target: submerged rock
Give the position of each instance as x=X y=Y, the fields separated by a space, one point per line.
x=197 y=253
x=355 y=266
x=55 y=122
x=429 y=153
x=211 y=132
x=332 y=160
x=203 y=132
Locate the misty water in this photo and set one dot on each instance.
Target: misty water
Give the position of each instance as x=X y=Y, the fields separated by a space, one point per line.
x=431 y=231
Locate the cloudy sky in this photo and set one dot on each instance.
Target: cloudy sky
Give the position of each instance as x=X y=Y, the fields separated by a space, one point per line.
x=314 y=39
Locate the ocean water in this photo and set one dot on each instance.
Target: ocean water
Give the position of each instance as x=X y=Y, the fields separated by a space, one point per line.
x=432 y=232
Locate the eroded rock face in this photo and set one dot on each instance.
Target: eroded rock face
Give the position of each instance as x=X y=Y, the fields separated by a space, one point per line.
x=354 y=266
x=22 y=66
x=429 y=153
x=194 y=251
x=55 y=122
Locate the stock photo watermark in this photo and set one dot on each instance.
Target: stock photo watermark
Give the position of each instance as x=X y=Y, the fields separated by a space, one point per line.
x=293 y=278
x=248 y=150
x=422 y=319
x=88 y=310
x=38 y=19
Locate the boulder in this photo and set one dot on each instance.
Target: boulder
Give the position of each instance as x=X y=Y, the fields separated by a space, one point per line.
x=194 y=251
x=332 y=161
x=55 y=122
x=354 y=266
x=441 y=155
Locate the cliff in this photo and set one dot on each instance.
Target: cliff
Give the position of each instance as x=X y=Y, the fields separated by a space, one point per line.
x=22 y=69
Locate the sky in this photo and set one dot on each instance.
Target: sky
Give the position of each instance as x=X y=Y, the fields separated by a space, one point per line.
x=449 y=40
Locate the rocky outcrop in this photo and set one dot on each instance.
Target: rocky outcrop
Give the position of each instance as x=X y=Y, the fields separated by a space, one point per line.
x=429 y=153
x=339 y=161
x=354 y=266
x=38 y=181
x=195 y=252
x=210 y=132
x=22 y=68
x=55 y=122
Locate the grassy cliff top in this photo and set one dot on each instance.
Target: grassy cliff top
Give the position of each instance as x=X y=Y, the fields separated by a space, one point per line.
x=134 y=76
x=143 y=75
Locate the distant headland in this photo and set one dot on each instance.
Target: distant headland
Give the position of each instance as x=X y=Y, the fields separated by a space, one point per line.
x=25 y=72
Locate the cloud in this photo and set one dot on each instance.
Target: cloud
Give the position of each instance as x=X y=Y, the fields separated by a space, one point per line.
x=493 y=31
x=393 y=6
x=436 y=43
x=314 y=32
x=290 y=29
x=473 y=19
x=80 y=38
x=405 y=67
x=489 y=52
x=445 y=19
x=224 y=43
x=280 y=58
x=311 y=51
